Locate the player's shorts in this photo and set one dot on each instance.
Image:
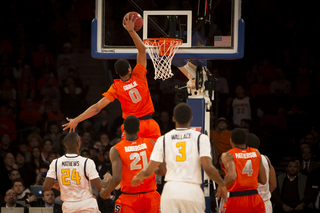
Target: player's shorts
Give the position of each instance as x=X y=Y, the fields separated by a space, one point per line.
x=244 y=202
x=138 y=203
x=268 y=206
x=182 y=197
x=84 y=206
x=149 y=128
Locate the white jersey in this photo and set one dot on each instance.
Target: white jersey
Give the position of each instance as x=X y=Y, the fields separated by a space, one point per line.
x=180 y=150
x=241 y=110
x=73 y=173
x=264 y=189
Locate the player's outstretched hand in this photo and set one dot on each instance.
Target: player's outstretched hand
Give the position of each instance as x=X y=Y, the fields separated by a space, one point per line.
x=129 y=23
x=136 y=181
x=71 y=125
x=106 y=179
x=222 y=192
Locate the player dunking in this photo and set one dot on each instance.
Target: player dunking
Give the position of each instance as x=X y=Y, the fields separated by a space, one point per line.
x=266 y=189
x=74 y=174
x=128 y=157
x=131 y=90
x=184 y=151
x=244 y=170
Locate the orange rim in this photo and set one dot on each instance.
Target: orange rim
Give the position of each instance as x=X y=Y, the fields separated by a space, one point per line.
x=163 y=43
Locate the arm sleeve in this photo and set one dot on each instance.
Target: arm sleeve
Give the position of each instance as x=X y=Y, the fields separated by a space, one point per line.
x=111 y=94
x=52 y=170
x=204 y=146
x=157 y=152
x=91 y=170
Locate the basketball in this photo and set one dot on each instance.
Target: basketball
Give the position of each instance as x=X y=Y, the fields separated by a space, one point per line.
x=135 y=16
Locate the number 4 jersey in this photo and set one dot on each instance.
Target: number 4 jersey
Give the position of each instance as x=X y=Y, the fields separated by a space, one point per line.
x=133 y=94
x=247 y=163
x=135 y=156
x=73 y=173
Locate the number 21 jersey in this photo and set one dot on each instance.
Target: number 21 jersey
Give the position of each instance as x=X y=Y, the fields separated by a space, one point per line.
x=247 y=163
x=135 y=156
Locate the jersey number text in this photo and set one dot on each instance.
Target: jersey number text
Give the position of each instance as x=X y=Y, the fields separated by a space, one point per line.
x=248 y=168
x=134 y=95
x=66 y=175
x=182 y=151
x=136 y=158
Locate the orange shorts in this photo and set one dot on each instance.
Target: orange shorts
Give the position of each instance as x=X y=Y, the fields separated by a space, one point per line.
x=148 y=129
x=244 y=204
x=138 y=203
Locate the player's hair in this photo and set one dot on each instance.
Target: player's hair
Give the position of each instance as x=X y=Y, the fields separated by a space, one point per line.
x=71 y=139
x=182 y=113
x=238 y=136
x=121 y=67
x=131 y=124
x=253 y=141
x=18 y=180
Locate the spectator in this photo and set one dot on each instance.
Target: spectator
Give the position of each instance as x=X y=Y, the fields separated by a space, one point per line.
x=293 y=191
x=274 y=118
x=259 y=87
x=7 y=91
x=5 y=145
x=220 y=138
x=26 y=171
x=67 y=51
x=7 y=124
x=42 y=174
x=26 y=79
x=13 y=174
x=86 y=141
x=23 y=147
x=106 y=164
x=242 y=107
x=40 y=54
x=54 y=134
x=34 y=139
x=103 y=124
x=36 y=160
x=85 y=153
x=98 y=145
x=11 y=200
x=307 y=163
x=24 y=194
x=30 y=116
x=54 y=113
x=47 y=67
x=104 y=138
x=63 y=70
x=9 y=164
x=47 y=148
x=48 y=197
x=280 y=86
x=222 y=84
x=268 y=70
x=52 y=155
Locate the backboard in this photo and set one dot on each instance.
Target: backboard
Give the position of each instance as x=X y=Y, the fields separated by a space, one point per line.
x=210 y=29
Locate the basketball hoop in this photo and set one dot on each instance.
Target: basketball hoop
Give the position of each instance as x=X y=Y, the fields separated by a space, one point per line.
x=161 y=52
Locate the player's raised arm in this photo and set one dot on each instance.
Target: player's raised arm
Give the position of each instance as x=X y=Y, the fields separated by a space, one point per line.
x=91 y=111
x=116 y=171
x=141 y=56
x=229 y=165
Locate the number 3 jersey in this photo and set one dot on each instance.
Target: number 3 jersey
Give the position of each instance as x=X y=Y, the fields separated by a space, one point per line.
x=247 y=163
x=73 y=173
x=181 y=149
x=133 y=94
x=135 y=156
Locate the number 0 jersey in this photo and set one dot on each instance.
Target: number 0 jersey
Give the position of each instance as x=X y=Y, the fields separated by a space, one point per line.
x=181 y=151
x=73 y=173
x=247 y=163
x=135 y=156
x=133 y=94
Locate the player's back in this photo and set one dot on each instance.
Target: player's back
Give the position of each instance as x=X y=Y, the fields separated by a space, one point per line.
x=73 y=177
x=181 y=153
x=135 y=156
x=247 y=163
x=133 y=94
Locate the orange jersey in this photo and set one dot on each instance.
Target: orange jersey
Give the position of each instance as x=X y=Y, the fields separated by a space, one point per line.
x=135 y=156
x=247 y=163
x=133 y=94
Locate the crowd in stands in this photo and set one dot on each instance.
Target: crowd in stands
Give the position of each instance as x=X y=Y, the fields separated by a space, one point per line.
x=271 y=92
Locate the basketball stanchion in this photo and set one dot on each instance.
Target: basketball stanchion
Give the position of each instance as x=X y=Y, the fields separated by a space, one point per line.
x=161 y=52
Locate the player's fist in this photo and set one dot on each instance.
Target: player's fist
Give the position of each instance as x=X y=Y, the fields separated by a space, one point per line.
x=106 y=179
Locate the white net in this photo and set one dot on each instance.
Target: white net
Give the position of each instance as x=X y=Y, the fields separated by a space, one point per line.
x=161 y=52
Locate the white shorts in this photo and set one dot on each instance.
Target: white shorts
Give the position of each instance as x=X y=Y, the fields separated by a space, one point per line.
x=268 y=206
x=182 y=197
x=88 y=205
